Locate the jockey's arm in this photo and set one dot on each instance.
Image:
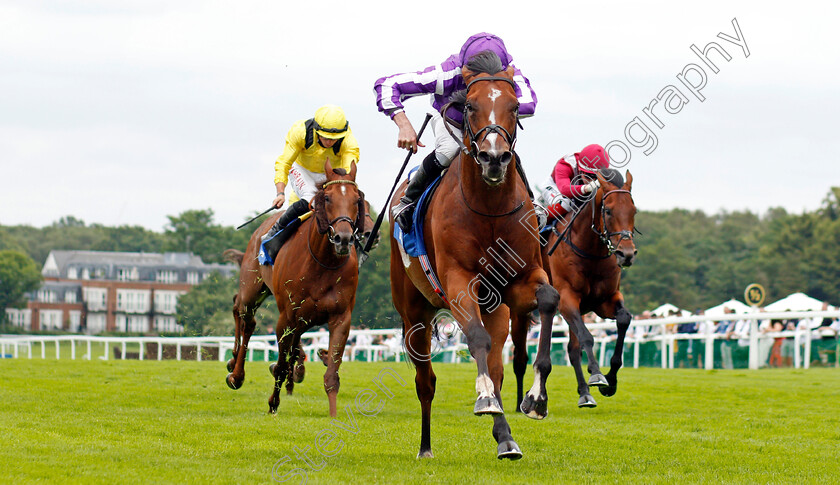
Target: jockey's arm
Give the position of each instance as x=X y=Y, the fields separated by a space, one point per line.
x=407 y=137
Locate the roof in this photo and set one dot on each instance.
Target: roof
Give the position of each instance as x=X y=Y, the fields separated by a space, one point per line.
x=59 y=261
x=798 y=302
x=732 y=304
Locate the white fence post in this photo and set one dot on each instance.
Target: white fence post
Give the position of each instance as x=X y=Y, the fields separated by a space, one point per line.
x=754 y=344
x=710 y=347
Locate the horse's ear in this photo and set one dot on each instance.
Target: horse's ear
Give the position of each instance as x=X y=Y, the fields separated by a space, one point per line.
x=603 y=180
x=353 y=170
x=328 y=170
x=629 y=183
x=510 y=71
x=317 y=205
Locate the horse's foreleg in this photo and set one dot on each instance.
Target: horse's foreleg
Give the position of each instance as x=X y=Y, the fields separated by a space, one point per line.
x=497 y=325
x=237 y=334
x=570 y=309
x=339 y=330
x=535 y=403
x=622 y=321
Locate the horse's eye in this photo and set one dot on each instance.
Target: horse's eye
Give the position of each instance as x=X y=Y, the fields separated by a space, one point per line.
x=327 y=199
x=608 y=212
x=470 y=108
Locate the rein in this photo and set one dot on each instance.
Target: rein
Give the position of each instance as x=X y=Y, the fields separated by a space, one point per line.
x=309 y=247
x=510 y=212
x=603 y=235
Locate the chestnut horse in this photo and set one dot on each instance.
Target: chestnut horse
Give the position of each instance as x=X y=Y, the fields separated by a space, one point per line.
x=313 y=280
x=586 y=271
x=487 y=261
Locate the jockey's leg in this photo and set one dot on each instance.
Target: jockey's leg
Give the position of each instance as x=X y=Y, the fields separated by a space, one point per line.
x=294 y=211
x=445 y=150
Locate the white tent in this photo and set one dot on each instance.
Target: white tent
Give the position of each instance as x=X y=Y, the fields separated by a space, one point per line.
x=664 y=310
x=798 y=302
x=732 y=305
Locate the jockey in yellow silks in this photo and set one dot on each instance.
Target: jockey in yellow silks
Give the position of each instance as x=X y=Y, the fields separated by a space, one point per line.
x=309 y=144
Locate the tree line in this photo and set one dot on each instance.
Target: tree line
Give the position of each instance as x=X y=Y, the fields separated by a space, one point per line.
x=687 y=258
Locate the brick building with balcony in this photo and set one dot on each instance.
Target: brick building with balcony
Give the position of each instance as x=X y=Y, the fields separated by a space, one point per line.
x=96 y=291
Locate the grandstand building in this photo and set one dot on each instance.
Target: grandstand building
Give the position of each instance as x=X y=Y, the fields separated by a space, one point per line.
x=96 y=291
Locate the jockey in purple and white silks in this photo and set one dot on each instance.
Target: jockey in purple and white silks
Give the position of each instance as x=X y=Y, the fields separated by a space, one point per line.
x=442 y=81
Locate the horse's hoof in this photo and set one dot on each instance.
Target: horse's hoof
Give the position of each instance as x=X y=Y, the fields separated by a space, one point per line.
x=587 y=401
x=598 y=380
x=610 y=389
x=271 y=369
x=230 y=364
x=273 y=404
x=425 y=454
x=508 y=450
x=534 y=409
x=299 y=373
x=487 y=405
x=231 y=382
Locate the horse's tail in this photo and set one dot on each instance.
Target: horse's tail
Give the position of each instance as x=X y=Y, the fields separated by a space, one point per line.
x=234 y=256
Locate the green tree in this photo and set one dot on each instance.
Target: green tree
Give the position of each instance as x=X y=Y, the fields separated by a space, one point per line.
x=194 y=231
x=207 y=309
x=18 y=274
x=374 y=306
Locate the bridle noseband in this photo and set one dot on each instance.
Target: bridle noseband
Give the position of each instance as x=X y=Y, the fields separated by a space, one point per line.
x=342 y=218
x=603 y=235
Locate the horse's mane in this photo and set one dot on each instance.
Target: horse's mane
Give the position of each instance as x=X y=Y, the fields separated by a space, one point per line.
x=485 y=61
x=613 y=176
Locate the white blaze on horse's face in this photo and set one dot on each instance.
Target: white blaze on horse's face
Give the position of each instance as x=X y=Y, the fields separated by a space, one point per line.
x=494 y=93
x=343 y=190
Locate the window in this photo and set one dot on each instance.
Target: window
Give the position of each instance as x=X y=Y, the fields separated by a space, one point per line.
x=51 y=319
x=85 y=273
x=96 y=298
x=166 y=301
x=192 y=277
x=47 y=296
x=95 y=323
x=133 y=301
x=166 y=276
x=70 y=297
x=72 y=273
x=167 y=324
x=75 y=320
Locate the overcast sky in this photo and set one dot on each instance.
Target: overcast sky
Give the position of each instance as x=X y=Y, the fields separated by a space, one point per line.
x=124 y=112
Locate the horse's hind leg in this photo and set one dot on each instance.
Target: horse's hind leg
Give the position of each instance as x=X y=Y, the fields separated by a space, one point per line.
x=417 y=337
x=237 y=334
x=519 y=334
x=535 y=402
x=586 y=400
x=295 y=375
x=244 y=310
x=280 y=369
x=570 y=309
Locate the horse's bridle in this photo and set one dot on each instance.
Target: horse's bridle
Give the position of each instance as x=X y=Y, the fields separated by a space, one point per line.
x=472 y=151
x=342 y=218
x=603 y=235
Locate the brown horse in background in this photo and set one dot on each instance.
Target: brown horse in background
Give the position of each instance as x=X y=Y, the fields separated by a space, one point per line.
x=313 y=279
x=586 y=271
x=487 y=261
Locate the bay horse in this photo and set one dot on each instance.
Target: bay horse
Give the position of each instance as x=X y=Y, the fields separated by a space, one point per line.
x=586 y=272
x=487 y=262
x=313 y=280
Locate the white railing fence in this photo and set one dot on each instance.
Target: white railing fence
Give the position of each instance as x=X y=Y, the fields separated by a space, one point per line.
x=641 y=331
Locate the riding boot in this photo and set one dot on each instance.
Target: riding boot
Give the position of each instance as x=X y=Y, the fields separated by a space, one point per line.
x=294 y=211
x=540 y=211
x=429 y=170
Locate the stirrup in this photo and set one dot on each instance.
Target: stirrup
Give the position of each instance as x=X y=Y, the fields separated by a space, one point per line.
x=402 y=214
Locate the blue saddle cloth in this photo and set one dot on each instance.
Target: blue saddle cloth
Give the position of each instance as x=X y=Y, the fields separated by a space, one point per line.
x=547 y=229
x=275 y=242
x=413 y=241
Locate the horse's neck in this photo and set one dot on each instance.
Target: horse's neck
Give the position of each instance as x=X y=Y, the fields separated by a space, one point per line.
x=581 y=232
x=481 y=197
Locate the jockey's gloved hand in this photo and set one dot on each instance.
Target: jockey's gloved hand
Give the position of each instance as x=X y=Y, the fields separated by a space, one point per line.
x=591 y=187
